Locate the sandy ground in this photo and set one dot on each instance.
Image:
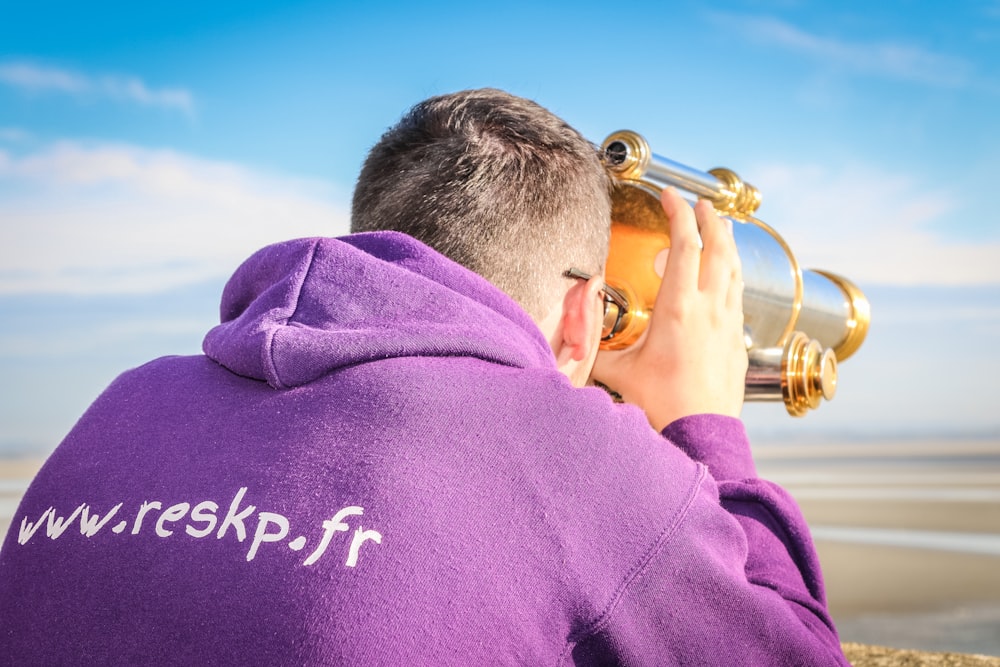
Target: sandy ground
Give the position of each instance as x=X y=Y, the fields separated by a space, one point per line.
x=922 y=573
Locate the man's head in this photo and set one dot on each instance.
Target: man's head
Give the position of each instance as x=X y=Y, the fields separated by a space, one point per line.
x=496 y=183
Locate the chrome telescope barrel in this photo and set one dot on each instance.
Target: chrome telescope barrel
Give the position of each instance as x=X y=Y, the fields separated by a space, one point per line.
x=798 y=323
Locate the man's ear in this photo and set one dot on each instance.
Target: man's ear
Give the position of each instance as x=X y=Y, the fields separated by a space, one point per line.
x=578 y=329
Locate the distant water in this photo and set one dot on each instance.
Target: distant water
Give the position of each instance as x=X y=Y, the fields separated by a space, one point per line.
x=973 y=629
x=895 y=474
x=14 y=450
x=960 y=542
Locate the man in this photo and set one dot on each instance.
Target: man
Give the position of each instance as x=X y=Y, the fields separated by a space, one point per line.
x=388 y=454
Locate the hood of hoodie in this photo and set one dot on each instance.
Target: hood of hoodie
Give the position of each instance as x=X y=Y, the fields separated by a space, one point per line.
x=298 y=310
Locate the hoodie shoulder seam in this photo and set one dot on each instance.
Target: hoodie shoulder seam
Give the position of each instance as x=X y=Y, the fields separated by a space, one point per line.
x=680 y=516
x=268 y=349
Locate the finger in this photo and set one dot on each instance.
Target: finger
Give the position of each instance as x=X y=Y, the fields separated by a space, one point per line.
x=681 y=272
x=719 y=257
x=734 y=296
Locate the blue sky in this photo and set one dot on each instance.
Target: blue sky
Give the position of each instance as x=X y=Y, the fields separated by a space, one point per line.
x=146 y=150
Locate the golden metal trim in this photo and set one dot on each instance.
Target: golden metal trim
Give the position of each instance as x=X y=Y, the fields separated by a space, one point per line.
x=636 y=161
x=808 y=374
x=737 y=199
x=861 y=315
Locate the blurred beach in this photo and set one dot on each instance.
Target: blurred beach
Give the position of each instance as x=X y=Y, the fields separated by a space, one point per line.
x=908 y=534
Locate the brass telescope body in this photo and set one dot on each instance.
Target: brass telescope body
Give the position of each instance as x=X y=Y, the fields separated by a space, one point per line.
x=798 y=323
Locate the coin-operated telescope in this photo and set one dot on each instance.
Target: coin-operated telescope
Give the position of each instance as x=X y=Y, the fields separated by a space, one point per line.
x=798 y=323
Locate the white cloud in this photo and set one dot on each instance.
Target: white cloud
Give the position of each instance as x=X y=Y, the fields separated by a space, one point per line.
x=33 y=77
x=120 y=218
x=36 y=78
x=120 y=331
x=872 y=226
x=889 y=59
x=14 y=134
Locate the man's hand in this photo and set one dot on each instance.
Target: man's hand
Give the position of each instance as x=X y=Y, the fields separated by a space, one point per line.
x=692 y=359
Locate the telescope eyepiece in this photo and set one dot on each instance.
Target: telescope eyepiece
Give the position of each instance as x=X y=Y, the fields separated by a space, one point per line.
x=616 y=153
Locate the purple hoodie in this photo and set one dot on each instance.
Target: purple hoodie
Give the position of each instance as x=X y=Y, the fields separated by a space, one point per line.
x=377 y=462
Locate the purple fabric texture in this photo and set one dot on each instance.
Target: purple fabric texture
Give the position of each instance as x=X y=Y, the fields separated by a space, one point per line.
x=376 y=462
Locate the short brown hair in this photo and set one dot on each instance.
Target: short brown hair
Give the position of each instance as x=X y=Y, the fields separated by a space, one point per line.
x=498 y=184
